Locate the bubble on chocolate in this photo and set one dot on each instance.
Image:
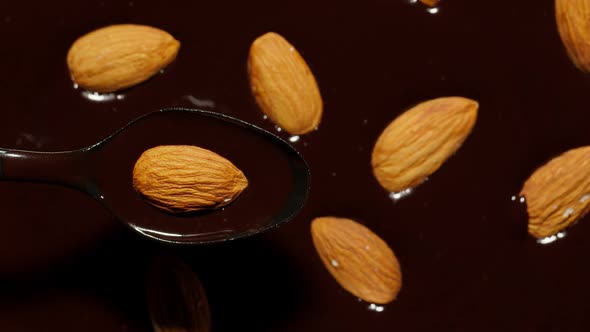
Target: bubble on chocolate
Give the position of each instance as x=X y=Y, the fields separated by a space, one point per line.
x=433 y=10
x=102 y=97
x=396 y=196
x=552 y=238
x=520 y=199
x=376 y=308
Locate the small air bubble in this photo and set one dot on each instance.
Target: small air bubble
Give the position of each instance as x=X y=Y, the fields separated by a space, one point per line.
x=396 y=196
x=376 y=308
x=100 y=97
x=335 y=263
x=294 y=138
x=433 y=10
x=547 y=240
x=518 y=199
x=552 y=238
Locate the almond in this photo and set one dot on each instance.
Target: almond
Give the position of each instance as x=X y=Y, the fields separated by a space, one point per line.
x=182 y=178
x=558 y=193
x=430 y=3
x=283 y=85
x=119 y=56
x=360 y=261
x=573 y=23
x=417 y=142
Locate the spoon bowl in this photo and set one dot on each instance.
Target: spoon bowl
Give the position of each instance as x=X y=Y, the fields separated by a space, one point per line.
x=279 y=178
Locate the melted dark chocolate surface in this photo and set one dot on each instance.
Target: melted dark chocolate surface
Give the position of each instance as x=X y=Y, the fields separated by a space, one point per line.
x=467 y=261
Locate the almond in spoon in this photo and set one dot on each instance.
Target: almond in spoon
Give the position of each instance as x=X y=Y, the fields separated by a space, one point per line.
x=183 y=178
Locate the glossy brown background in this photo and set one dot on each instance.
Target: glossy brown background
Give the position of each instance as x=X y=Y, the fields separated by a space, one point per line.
x=468 y=264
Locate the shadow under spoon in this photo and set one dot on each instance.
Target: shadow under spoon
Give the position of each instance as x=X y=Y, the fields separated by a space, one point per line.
x=278 y=176
x=176 y=298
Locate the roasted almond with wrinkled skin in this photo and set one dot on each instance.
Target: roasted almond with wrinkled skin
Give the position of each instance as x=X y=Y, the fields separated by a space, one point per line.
x=419 y=141
x=558 y=193
x=120 y=56
x=573 y=23
x=184 y=178
x=360 y=261
x=283 y=85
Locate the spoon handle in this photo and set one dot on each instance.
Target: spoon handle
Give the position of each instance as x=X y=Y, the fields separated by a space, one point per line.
x=63 y=168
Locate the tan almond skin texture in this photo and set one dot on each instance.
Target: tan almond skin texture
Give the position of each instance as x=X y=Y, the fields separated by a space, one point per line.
x=430 y=3
x=183 y=178
x=558 y=193
x=283 y=85
x=418 y=142
x=573 y=23
x=120 y=56
x=365 y=265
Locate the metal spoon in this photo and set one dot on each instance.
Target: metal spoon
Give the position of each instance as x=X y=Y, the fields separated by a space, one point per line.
x=279 y=178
